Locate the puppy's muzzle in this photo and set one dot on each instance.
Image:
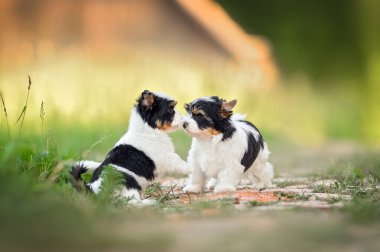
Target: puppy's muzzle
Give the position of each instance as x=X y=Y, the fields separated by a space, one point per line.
x=185 y=124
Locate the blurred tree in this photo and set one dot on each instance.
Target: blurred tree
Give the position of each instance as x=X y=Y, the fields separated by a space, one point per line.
x=332 y=42
x=369 y=23
x=317 y=37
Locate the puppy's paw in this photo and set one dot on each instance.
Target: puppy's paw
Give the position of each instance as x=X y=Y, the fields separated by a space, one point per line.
x=148 y=202
x=190 y=188
x=224 y=188
x=211 y=184
x=141 y=203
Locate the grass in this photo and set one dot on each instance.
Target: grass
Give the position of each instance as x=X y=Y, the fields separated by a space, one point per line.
x=42 y=211
x=365 y=206
x=292 y=196
x=333 y=188
x=66 y=87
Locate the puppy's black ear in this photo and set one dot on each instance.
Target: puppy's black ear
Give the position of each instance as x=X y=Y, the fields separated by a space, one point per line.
x=147 y=99
x=226 y=111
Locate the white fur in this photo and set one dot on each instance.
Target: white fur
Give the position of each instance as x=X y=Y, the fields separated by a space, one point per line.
x=91 y=165
x=95 y=186
x=176 y=123
x=156 y=144
x=210 y=157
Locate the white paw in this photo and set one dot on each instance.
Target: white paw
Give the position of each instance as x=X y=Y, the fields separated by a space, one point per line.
x=144 y=202
x=224 y=188
x=192 y=188
x=148 y=202
x=211 y=184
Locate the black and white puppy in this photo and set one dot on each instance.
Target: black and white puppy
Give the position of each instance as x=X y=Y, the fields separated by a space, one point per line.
x=144 y=152
x=225 y=147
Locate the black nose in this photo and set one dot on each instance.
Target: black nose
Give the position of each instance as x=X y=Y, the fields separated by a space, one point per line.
x=185 y=124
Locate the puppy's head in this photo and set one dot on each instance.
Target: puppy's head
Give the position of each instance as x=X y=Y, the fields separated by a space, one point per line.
x=209 y=116
x=157 y=110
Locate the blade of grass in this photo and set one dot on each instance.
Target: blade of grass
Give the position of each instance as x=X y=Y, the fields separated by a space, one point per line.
x=5 y=112
x=23 y=112
x=42 y=117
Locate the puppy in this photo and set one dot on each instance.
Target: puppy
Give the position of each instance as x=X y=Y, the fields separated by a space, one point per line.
x=144 y=152
x=225 y=147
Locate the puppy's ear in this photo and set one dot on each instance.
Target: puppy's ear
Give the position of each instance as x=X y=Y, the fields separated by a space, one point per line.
x=227 y=107
x=173 y=104
x=187 y=107
x=147 y=99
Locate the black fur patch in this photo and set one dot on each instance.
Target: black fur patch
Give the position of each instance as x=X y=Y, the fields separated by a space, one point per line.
x=212 y=117
x=261 y=139
x=253 y=147
x=130 y=158
x=76 y=172
x=162 y=110
x=130 y=182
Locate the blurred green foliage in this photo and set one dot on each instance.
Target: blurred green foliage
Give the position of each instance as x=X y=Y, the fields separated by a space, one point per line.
x=335 y=43
x=328 y=52
x=320 y=38
x=41 y=211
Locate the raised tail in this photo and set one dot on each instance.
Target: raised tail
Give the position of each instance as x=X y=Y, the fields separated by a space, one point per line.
x=78 y=169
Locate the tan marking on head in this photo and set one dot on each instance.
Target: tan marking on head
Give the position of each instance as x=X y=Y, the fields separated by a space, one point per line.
x=213 y=131
x=164 y=126
x=159 y=124
x=197 y=111
x=148 y=100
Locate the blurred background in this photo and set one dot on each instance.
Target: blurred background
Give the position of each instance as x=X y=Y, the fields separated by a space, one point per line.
x=306 y=73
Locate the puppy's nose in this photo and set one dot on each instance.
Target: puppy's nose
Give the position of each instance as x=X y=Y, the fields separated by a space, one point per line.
x=185 y=124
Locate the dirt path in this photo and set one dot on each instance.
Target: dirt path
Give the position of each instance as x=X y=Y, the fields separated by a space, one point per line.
x=285 y=193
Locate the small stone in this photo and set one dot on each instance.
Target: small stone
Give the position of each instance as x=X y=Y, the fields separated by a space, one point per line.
x=297 y=187
x=313 y=198
x=326 y=183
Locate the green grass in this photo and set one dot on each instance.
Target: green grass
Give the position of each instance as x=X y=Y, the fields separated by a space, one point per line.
x=333 y=188
x=365 y=206
x=40 y=210
x=293 y=196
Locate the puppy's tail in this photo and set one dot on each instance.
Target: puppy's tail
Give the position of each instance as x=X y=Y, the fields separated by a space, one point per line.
x=78 y=169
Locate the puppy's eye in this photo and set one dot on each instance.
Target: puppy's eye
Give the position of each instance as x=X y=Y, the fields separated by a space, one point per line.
x=199 y=115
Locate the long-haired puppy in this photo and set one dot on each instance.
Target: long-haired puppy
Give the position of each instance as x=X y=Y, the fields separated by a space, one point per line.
x=225 y=147
x=144 y=152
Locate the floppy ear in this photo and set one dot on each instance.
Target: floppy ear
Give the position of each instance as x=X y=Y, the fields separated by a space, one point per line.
x=227 y=107
x=147 y=99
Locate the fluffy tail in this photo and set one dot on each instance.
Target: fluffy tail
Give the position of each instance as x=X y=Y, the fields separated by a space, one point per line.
x=78 y=169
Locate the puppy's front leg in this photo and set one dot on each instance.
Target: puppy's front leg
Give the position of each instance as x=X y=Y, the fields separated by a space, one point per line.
x=174 y=163
x=228 y=179
x=196 y=181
